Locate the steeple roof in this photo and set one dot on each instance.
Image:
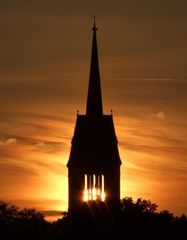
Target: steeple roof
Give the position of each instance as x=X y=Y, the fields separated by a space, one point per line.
x=94 y=99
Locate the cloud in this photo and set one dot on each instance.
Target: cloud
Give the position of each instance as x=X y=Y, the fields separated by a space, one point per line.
x=151 y=79
x=50 y=146
x=16 y=169
x=42 y=145
x=11 y=142
x=158 y=116
x=2 y=143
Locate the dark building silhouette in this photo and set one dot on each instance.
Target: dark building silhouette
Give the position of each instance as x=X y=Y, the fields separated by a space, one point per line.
x=94 y=161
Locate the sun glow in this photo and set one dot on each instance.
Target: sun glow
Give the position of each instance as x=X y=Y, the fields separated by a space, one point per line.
x=94 y=188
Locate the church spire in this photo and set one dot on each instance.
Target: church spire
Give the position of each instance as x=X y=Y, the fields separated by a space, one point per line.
x=94 y=99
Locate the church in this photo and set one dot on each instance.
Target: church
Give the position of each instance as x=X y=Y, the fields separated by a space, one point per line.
x=94 y=161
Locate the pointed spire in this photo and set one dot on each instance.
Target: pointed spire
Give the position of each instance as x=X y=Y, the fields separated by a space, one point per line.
x=94 y=99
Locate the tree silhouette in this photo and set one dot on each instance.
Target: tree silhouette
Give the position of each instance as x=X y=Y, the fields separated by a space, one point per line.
x=137 y=220
x=138 y=207
x=21 y=224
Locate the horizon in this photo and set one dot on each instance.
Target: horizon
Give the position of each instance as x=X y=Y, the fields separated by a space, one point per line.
x=44 y=76
x=51 y=215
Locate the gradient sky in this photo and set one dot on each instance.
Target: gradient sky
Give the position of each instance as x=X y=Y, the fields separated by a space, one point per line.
x=44 y=67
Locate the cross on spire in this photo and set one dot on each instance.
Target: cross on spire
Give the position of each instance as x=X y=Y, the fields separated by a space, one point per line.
x=94 y=25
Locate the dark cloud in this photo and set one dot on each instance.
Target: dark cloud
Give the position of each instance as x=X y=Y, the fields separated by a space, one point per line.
x=153 y=95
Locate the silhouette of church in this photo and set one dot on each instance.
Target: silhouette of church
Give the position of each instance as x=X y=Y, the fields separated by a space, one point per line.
x=94 y=161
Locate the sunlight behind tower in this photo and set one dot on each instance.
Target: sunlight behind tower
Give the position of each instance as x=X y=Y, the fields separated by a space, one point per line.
x=94 y=188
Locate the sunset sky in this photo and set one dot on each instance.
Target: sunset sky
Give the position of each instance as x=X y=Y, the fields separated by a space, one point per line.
x=45 y=49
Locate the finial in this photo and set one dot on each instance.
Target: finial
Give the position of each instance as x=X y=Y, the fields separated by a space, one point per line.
x=111 y=111
x=94 y=26
x=77 y=112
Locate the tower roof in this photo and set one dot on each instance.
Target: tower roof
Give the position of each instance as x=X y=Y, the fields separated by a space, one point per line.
x=94 y=99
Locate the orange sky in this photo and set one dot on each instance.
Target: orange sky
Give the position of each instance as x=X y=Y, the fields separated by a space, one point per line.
x=44 y=69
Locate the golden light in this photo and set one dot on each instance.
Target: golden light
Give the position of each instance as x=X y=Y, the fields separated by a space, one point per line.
x=103 y=191
x=85 y=188
x=94 y=188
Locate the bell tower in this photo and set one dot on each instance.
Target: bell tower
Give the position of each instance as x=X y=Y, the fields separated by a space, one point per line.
x=94 y=161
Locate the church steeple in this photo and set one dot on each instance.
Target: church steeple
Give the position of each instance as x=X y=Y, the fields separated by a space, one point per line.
x=94 y=161
x=94 y=99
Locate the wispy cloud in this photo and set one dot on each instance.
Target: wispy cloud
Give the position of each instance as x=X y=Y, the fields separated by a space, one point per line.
x=9 y=142
x=158 y=115
x=156 y=79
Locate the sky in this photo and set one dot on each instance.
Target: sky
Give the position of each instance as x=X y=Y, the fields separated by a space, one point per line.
x=45 y=49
